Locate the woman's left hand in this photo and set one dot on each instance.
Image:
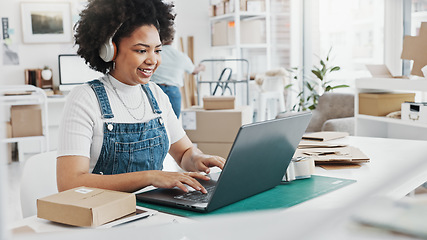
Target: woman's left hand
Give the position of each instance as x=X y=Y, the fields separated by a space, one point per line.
x=191 y=159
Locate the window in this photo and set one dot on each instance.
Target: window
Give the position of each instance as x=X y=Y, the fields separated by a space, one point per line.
x=354 y=29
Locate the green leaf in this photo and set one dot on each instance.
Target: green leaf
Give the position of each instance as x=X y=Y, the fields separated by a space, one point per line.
x=336 y=68
x=318 y=74
x=322 y=63
x=340 y=86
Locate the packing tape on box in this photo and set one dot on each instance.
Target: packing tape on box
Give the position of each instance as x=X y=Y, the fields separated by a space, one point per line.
x=299 y=168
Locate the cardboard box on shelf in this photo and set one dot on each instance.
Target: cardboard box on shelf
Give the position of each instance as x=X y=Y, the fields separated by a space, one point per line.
x=9 y=152
x=218 y=102
x=219 y=33
x=8 y=130
x=85 y=206
x=381 y=104
x=230 y=6
x=26 y=120
x=252 y=31
x=255 y=6
x=215 y=126
x=414 y=112
x=220 y=9
x=243 y=5
x=212 y=10
x=218 y=149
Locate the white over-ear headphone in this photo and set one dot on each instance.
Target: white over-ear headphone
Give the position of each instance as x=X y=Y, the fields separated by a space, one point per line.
x=108 y=50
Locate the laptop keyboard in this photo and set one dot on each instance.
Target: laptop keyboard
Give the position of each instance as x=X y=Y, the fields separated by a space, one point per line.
x=197 y=196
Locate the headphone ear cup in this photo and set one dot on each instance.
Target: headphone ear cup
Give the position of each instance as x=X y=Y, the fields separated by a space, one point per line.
x=108 y=50
x=114 y=51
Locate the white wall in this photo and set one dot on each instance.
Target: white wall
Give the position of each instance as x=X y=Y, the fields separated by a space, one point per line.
x=192 y=19
x=30 y=55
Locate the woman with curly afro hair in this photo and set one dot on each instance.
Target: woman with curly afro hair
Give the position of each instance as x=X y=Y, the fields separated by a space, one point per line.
x=116 y=130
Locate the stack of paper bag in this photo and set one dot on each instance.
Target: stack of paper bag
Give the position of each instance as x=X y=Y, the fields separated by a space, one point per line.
x=316 y=146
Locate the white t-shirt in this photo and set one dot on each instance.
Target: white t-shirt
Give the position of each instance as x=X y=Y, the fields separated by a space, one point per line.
x=81 y=128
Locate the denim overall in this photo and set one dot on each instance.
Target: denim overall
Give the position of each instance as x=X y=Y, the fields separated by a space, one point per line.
x=130 y=147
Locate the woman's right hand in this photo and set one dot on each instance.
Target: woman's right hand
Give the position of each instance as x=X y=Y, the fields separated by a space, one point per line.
x=163 y=179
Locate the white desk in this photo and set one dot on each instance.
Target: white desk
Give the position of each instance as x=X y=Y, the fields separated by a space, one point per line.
x=396 y=168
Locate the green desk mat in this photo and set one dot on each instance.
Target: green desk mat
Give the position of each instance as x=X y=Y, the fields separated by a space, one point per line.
x=282 y=196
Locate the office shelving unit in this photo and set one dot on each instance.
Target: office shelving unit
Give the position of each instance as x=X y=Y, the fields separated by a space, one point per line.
x=373 y=126
x=37 y=97
x=238 y=16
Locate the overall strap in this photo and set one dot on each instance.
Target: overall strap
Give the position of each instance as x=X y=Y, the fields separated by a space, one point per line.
x=151 y=99
x=101 y=95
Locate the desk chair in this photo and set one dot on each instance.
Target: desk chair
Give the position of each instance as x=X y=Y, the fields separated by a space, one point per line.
x=335 y=112
x=38 y=180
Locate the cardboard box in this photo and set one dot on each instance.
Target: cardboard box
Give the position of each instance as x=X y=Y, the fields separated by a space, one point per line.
x=9 y=152
x=220 y=9
x=414 y=112
x=218 y=102
x=218 y=149
x=212 y=10
x=243 y=5
x=255 y=6
x=381 y=104
x=8 y=130
x=415 y=48
x=220 y=33
x=26 y=120
x=85 y=206
x=215 y=126
x=252 y=31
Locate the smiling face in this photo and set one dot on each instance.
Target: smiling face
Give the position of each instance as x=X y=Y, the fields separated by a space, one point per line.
x=138 y=56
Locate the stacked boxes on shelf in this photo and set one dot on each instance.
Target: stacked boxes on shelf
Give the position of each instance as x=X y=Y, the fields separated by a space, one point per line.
x=26 y=120
x=214 y=131
x=251 y=32
x=221 y=7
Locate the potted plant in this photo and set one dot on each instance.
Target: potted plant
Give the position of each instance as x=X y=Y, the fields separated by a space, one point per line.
x=309 y=88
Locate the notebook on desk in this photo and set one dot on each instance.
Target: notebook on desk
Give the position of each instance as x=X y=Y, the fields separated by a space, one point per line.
x=257 y=162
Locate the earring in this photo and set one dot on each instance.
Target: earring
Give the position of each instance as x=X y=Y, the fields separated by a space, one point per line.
x=114 y=65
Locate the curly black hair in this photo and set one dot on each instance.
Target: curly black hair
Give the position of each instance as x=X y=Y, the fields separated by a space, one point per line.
x=102 y=18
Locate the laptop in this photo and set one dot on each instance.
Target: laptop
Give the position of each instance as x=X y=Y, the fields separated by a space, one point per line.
x=257 y=162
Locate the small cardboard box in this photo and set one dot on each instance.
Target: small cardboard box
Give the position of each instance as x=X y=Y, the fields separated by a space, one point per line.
x=243 y=5
x=8 y=129
x=215 y=126
x=220 y=33
x=252 y=31
x=381 y=104
x=218 y=102
x=414 y=112
x=26 y=120
x=218 y=149
x=255 y=6
x=85 y=206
